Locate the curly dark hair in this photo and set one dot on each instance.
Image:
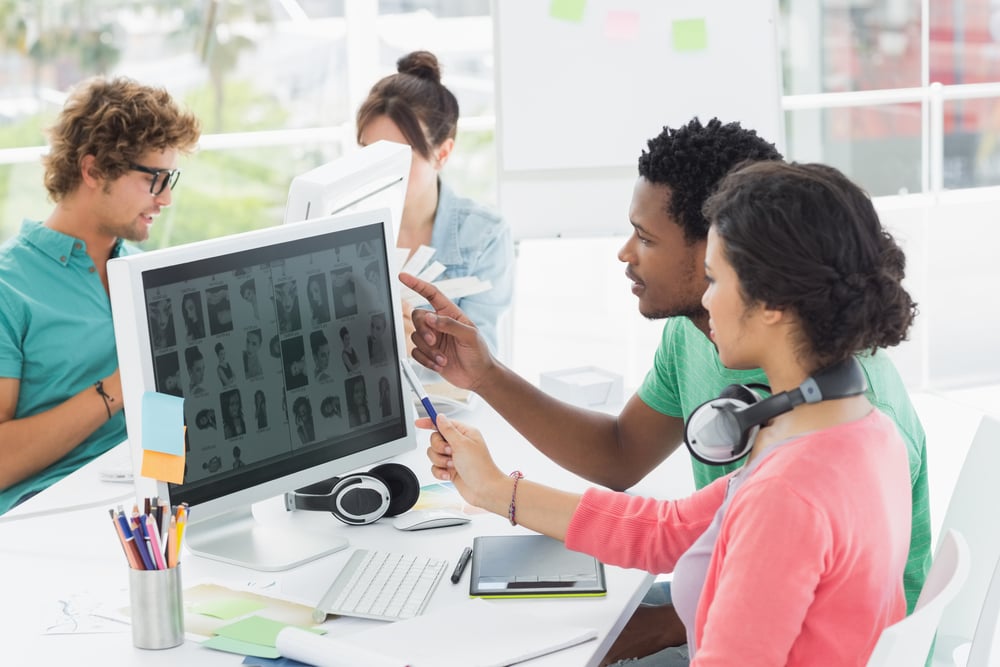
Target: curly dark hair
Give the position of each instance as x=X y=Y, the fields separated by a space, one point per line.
x=804 y=237
x=692 y=159
x=414 y=98
x=116 y=121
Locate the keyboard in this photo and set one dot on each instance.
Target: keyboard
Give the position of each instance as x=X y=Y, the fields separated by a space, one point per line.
x=381 y=585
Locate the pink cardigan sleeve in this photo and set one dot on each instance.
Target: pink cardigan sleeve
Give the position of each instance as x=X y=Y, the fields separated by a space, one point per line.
x=642 y=533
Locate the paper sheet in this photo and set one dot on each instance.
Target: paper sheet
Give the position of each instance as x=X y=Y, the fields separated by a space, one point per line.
x=479 y=634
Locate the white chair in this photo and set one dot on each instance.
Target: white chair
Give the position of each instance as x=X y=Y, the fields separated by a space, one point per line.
x=908 y=642
x=973 y=511
x=984 y=650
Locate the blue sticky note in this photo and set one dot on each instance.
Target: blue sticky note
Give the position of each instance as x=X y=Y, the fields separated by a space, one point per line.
x=163 y=423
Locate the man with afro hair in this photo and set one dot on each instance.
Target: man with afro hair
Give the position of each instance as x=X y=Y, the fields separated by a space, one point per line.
x=664 y=258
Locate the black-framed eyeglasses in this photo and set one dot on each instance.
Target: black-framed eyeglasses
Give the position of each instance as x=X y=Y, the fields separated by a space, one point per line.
x=161 y=177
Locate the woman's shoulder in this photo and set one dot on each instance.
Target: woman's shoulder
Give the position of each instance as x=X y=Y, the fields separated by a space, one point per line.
x=455 y=208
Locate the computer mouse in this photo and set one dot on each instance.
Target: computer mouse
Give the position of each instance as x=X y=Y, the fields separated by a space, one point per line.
x=424 y=519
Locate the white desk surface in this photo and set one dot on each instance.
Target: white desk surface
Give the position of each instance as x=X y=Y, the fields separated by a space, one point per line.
x=74 y=556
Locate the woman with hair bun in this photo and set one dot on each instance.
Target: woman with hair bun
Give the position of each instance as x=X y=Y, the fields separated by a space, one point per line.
x=797 y=557
x=413 y=107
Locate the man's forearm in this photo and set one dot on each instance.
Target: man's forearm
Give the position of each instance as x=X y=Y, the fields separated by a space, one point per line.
x=30 y=444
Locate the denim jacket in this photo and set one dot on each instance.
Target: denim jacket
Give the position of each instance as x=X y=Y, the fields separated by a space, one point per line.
x=471 y=240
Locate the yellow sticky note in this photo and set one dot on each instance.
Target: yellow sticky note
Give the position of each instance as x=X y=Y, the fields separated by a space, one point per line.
x=567 y=10
x=164 y=467
x=690 y=35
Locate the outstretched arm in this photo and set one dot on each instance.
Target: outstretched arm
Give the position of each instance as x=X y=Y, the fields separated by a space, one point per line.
x=614 y=451
x=31 y=444
x=458 y=453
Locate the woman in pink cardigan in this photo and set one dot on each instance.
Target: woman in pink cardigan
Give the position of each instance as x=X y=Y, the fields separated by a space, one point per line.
x=796 y=558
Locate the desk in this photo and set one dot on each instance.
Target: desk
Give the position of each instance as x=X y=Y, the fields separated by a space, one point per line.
x=49 y=558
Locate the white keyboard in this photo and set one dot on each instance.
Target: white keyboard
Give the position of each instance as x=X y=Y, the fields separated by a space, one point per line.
x=385 y=586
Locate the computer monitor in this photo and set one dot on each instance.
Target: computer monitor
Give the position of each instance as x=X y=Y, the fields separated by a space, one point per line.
x=374 y=176
x=285 y=344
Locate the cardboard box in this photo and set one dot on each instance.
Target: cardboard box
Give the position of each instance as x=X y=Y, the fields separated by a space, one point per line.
x=586 y=386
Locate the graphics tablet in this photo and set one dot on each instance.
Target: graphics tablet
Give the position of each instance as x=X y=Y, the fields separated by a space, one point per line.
x=532 y=566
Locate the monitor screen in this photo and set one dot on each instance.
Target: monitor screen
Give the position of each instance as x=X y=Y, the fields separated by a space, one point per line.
x=374 y=176
x=285 y=345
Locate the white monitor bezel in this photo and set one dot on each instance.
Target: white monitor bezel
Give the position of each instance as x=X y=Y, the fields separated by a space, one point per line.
x=136 y=360
x=340 y=184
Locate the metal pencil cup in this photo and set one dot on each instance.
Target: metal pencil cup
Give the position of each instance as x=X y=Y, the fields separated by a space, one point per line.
x=157 y=608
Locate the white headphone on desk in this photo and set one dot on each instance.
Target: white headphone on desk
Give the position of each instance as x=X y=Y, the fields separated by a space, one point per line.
x=385 y=490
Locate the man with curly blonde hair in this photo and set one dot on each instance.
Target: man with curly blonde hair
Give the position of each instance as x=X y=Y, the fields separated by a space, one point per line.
x=111 y=168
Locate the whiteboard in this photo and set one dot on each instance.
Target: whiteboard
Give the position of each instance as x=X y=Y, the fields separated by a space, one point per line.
x=582 y=85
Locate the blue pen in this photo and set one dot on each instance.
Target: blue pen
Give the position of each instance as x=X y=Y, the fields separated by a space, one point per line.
x=419 y=390
x=146 y=546
x=130 y=535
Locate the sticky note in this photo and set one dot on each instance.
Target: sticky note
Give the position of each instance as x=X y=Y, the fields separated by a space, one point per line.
x=227 y=608
x=241 y=647
x=690 y=35
x=621 y=25
x=567 y=10
x=164 y=467
x=162 y=423
x=257 y=630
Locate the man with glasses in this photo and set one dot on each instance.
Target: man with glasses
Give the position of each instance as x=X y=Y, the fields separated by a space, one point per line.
x=111 y=169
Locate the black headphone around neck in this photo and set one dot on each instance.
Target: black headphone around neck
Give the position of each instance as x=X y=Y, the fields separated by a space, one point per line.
x=385 y=490
x=722 y=430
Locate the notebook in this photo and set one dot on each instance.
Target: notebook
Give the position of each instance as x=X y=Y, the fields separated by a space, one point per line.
x=505 y=566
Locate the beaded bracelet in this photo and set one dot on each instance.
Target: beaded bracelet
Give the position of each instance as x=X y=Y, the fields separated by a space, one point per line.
x=512 y=510
x=108 y=399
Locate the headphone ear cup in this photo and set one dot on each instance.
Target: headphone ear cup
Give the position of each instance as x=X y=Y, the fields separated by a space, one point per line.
x=741 y=393
x=319 y=488
x=403 y=485
x=713 y=433
x=360 y=499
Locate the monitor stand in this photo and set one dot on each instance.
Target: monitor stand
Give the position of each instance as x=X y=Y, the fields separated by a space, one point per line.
x=276 y=544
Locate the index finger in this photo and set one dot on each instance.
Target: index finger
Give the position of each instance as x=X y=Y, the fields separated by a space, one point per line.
x=441 y=304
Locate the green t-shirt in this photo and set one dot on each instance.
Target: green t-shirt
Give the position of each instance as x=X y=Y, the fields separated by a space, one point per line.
x=687 y=372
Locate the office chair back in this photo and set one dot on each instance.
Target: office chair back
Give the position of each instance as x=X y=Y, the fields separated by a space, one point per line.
x=974 y=511
x=908 y=642
x=984 y=649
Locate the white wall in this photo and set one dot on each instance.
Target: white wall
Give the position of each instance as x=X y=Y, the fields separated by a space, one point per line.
x=573 y=306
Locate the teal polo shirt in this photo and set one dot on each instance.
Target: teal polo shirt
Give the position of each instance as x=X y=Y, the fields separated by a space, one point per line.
x=56 y=337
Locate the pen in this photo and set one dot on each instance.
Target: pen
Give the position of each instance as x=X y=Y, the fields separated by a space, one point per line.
x=130 y=555
x=142 y=539
x=418 y=389
x=462 y=563
x=154 y=542
x=172 y=542
x=133 y=538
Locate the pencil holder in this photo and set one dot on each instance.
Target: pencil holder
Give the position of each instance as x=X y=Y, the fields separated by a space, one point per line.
x=157 y=608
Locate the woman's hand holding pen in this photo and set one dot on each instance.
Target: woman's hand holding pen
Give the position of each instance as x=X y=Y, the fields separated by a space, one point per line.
x=445 y=340
x=459 y=454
